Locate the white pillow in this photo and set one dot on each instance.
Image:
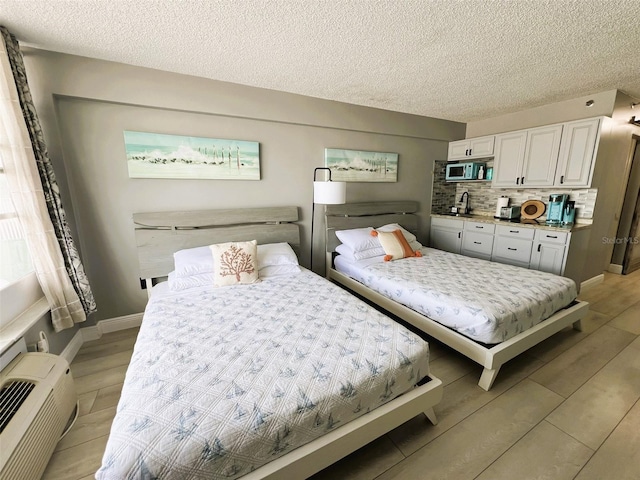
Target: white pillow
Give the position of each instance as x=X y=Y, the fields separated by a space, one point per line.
x=410 y=237
x=192 y=261
x=358 y=239
x=177 y=284
x=271 y=254
x=347 y=252
x=278 y=270
x=198 y=260
x=235 y=263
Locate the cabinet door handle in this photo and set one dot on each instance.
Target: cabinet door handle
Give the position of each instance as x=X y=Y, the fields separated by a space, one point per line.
x=552 y=236
x=478 y=226
x=478 y=243
x=561 y=179
x=512 y=249
x=466 y=152
x=459 y=234
x=514 y=231
x=470 y=150
x=539 y=246
x=518 y=181
x=522 y=181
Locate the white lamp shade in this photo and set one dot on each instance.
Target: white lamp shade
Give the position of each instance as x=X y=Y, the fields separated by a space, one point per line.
x=329 y=193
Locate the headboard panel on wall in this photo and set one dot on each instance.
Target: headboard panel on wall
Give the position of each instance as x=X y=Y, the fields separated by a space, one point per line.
x=160 y=234
x=368 y=214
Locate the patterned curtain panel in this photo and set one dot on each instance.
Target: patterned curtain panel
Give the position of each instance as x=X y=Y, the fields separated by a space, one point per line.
x=56 y=213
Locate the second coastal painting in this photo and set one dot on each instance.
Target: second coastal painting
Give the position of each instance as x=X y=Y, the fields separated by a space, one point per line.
x=361 y=166
x=157 y=155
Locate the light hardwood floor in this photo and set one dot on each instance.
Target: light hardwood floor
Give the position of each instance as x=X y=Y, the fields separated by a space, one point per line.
x=567 y=408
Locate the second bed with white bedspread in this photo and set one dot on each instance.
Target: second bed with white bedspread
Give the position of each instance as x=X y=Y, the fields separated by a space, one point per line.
x=486 y=301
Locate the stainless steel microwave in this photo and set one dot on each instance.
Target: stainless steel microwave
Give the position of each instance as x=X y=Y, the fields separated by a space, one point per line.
x=463 y=171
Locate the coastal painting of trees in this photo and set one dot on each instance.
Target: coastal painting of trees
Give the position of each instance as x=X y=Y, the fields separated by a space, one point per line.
x=157 y=155
x=361 y=166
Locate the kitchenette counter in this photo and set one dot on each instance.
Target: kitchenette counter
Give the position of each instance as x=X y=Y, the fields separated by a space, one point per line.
x=525 y=223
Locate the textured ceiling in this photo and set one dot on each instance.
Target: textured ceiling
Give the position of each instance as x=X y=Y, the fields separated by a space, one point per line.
x=459 y=60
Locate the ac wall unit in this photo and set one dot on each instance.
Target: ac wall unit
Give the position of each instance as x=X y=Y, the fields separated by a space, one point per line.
x=36 y=402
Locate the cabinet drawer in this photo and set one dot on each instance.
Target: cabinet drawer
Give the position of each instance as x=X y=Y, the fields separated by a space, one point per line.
x=478 y=243
x=447 y=223
x=548 y=236
x=479 y=227
x=515 y=249
x=515 y=231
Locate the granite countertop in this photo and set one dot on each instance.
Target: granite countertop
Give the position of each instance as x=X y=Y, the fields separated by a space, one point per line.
x=526 y=224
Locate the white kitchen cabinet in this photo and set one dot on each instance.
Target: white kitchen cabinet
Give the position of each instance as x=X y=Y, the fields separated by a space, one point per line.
x=509 y=157
x=541 y=156
x=512 y=245
x=477 y=240
x=470 y=148
x=446 y=234
x=549 y=251
x=577 y=153
x=527 y=158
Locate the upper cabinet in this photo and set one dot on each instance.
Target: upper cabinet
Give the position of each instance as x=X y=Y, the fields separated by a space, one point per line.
x=577 y=152
x=470 y=148
x=555 y=155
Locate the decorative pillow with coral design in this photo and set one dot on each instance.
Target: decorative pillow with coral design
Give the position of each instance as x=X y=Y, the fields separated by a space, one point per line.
x=235 y=263
x=395 y=245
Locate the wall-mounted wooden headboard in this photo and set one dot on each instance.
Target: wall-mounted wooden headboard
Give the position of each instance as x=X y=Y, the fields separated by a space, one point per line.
x=369 y=214
x=160 y=234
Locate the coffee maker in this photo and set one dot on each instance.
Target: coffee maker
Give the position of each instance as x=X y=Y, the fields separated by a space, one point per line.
x=569 y=212
x=555 y=210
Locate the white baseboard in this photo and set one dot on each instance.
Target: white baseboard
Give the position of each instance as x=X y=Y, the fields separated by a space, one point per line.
x=592 y=282
x=111 y=325
x=614 y=268
x=70 y=351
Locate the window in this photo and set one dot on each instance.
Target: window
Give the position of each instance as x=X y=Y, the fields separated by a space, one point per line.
x=15 y=261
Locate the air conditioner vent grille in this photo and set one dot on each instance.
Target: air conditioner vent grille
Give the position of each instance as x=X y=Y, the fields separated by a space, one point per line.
x=13 y=395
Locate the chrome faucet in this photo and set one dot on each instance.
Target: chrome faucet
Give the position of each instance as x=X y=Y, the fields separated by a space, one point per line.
x=467 y=210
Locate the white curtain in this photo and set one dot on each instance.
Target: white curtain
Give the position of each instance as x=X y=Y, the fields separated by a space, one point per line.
x=27 y=195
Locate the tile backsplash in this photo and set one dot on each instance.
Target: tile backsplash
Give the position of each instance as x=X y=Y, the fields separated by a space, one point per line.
x=483 y=198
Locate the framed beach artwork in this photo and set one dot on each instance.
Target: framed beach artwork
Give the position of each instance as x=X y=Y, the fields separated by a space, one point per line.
x=361 y=166
x=157 y=155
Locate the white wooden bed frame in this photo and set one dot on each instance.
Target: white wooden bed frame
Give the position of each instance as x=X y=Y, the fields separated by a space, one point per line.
x=358 y=215
x=159 y=235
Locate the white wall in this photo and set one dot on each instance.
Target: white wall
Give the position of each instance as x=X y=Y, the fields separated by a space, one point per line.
x=85 y=104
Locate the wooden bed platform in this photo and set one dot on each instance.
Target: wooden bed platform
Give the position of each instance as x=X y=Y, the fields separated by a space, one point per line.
x=159 y=235
x=358 y=215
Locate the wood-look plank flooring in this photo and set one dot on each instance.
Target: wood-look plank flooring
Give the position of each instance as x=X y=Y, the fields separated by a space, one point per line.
x=569 y=408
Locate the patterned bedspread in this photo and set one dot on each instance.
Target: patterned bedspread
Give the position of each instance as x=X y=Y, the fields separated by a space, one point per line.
x=225 y=380
x=488 y=302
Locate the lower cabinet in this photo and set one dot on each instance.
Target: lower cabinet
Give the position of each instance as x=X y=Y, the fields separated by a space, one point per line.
x=477 y=240
x=535 y=248
x=512 y=245
x=550 y=251
x=446 y=234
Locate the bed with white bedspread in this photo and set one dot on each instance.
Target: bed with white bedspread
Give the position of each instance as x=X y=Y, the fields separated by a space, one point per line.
x=275 y=379
x=476 y=298
x=487 y=311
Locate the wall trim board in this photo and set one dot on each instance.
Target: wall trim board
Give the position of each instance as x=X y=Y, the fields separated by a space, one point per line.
x=613 y=268
x=109 y=325
x=592 y=282
x=72 y=348
x=57 y=96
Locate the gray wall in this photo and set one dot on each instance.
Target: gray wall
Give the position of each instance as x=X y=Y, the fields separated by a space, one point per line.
x=611 y=168
x=85 y=104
